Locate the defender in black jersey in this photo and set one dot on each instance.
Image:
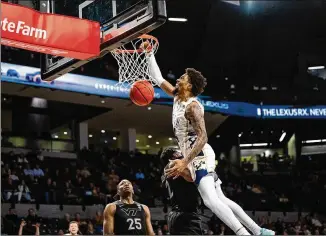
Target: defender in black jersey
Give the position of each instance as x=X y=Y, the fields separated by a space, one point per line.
x=125 y=216
x=185 y=199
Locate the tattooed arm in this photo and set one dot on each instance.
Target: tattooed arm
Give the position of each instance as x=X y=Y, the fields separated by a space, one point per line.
x=196 y=117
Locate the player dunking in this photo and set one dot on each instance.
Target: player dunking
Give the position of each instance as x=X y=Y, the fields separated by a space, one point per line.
x=183 y=219
x=125 y=216
x=189 y=129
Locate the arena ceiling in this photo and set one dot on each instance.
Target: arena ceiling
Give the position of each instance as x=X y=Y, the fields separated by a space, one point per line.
x=258 y=51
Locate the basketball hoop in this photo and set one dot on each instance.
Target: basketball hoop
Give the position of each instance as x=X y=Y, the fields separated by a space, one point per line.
x=133 y=59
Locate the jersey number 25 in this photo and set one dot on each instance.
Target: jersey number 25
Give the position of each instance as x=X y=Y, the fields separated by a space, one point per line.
x=134 y=223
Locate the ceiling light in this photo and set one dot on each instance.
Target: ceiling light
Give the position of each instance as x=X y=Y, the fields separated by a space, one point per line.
x=150 y=136
x=260 y=144
x=282 y=137
x=102 y=131
x=105 y=141
x=56 y=136
x=137 y=141
x=316 y=67
x=177 y=19
x=149 y=108
x=4 y=99
x=245 y=145
x=312 y=141
x=170 y=139
x=90 y=135
x=217 y=136
x=239 y=135
x=114 y=138
x=157 y=142
x=147 y=146
x=65 y=133
x=102 y=101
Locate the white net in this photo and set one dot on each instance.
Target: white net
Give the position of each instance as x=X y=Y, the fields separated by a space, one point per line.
x=133 y=60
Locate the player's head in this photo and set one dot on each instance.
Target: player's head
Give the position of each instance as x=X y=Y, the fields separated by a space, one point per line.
x=125 y=188
x=170 y=153
x=73 y=227
x=192 y=82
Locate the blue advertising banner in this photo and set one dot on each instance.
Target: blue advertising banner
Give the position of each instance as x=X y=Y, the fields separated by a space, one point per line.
x=289 y=112
x=103 y=87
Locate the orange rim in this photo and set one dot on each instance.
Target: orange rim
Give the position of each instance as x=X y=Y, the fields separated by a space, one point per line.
x=144 y=36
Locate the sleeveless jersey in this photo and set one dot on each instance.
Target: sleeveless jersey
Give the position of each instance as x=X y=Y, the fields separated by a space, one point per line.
x=183 y=130
x=129 y=219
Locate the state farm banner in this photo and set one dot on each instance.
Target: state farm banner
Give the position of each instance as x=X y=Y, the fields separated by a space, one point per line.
x=58 y=35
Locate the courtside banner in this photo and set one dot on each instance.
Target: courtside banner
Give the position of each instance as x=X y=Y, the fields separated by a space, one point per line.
x=65 y=36
x=30 y=76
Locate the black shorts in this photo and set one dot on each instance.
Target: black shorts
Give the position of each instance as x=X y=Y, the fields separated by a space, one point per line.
x=184 y=223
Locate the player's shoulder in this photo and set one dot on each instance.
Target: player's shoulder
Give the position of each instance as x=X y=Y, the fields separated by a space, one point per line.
x=111 y=207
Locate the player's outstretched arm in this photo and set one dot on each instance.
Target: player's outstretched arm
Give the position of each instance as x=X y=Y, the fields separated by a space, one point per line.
x=108 y=223
x=148 y=222
x=157 y=76
x=196 y=117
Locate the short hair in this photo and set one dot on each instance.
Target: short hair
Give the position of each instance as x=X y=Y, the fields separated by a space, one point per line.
x=73 y=222
x=197 y=80
x=167 y=154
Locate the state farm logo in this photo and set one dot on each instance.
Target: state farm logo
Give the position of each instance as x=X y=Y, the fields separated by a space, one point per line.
x=22 y=28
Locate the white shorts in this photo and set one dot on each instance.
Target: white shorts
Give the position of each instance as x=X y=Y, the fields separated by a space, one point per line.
x=202 y=164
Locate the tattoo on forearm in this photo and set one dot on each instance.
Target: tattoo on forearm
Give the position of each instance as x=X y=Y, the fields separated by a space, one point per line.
x=196 y=117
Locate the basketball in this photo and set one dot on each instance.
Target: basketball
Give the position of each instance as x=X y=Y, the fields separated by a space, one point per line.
x=142 y=93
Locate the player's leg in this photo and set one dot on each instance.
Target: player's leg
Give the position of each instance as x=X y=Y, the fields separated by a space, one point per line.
x=241 y=214
x=206 y=188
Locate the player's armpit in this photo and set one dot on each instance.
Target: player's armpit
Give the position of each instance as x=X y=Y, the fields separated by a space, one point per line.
x=195 y=115
x=108 y=223
x=148 y=222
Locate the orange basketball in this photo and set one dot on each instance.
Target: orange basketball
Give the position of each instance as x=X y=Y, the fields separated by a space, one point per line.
x=142 y=93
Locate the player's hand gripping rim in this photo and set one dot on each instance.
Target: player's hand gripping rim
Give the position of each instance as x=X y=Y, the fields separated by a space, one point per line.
x=176 y=168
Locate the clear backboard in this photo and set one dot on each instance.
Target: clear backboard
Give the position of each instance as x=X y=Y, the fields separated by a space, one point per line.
x=121 y=21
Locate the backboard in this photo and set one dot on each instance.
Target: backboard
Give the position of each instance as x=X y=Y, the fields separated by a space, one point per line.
x=121 y=21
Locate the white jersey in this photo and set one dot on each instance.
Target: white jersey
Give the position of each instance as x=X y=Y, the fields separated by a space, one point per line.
x=186 y=137
x=183 y=130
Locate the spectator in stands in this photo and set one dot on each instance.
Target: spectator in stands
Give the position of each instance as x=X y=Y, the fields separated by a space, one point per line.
x=12 y=175
x=315 y=221
x=38 y=172
x=90 y=229
x=114 y=177
x=28 y=170
x=9 y=222
x=22 y=159
x=32 y=218
x=48 y=191
x=140 y=175
x=98 y=220
x=85 y=172
x=9 y=189
x=64 y=223
x=24 y=191
x=73 y=228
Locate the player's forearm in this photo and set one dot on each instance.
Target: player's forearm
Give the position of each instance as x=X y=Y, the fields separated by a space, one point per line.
x=156 y=74
x=167 y=87
x=197 y=148
x=107 y=230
